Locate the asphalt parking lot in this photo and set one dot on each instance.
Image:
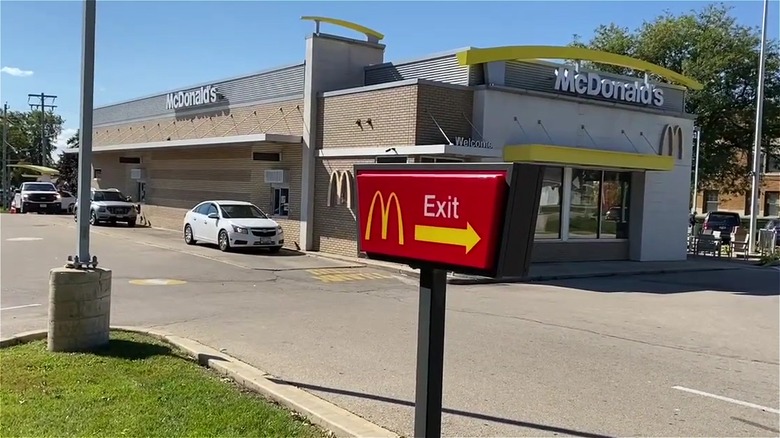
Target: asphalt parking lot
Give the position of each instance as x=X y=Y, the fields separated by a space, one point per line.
x=692 y=354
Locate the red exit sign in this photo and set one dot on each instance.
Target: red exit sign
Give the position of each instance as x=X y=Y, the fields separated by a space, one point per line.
x=449 y=218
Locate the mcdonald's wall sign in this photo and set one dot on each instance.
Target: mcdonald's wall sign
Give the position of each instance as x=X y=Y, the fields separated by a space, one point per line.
x=340 y=185
x=671 y=141
x=471 y=218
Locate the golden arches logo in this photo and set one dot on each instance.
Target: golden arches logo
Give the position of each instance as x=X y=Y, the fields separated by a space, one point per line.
x=385 y=215
x=672 y=138
x=341 y=180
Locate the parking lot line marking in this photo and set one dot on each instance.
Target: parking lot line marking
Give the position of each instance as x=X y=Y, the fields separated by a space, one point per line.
x=156 y=282
x=727 y=399
x=19 y=307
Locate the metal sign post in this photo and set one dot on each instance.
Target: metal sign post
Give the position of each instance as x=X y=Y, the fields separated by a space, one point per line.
x=82 y=259
x=430 y=353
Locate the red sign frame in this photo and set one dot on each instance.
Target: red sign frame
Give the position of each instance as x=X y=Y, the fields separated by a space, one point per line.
x=455 y=217
x=443 y=217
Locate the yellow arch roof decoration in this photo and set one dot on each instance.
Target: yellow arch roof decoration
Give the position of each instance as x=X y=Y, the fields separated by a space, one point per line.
x=511 y=53
x=43 y=170
x=369 y=33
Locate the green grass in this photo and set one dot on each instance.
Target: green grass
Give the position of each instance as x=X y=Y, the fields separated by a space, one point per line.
x=135 y=387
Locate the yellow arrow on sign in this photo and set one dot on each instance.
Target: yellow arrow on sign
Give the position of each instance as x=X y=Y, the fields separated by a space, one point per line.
x=465 y=237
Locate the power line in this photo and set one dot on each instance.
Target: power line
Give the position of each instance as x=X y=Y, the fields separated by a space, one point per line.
x=42 y=107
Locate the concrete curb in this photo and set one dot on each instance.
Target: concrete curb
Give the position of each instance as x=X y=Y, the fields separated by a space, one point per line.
x=413 y=273
x=533 y=278
x=337 y=420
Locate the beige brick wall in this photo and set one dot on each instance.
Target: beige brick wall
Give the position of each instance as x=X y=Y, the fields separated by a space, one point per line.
x=278 y=118
x=449 y=106
x=392 y=112
x=738 y=202
x=335 y=227
x=399 y=116
x=177 y=180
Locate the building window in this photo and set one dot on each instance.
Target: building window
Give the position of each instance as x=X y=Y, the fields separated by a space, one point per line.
x=615 y=191
x=772 y=164
x=391 y=159
x=281 y=201
x=130 y=160
x=584 y=195
x=599 y=204
x=266 y=156
x=439 y=160
x=710 y=201
x=548 y=219
x=772 y=204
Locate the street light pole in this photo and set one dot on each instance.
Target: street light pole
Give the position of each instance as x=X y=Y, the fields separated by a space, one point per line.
x=757 y=142
x=85 y=135
x=697 y=130
x=6 y=186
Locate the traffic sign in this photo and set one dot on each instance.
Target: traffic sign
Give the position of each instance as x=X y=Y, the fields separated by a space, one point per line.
x=448 y=218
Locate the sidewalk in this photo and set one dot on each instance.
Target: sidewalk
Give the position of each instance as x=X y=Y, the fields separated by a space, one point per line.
x=567 y=270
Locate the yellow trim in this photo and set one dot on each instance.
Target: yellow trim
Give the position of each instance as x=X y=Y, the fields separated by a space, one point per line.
x=510 y=53
x=347 y=24
x=542 y=153
x=35 y=168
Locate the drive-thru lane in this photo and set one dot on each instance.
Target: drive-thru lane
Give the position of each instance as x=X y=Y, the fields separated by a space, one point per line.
x=595 y=357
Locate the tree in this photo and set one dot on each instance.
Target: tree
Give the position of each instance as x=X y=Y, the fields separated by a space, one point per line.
x=711 y=47
x=24 y=136
x=68 y=164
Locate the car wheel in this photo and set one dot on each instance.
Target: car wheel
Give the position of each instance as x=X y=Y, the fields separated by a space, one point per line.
x=275 y=249
x=188 y=237
x=131 y=223
x=93 y=218
x=224 y=241
x=71 y=208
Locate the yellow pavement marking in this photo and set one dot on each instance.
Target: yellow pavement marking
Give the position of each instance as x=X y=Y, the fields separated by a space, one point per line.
x=156 y=282
x=339 y=275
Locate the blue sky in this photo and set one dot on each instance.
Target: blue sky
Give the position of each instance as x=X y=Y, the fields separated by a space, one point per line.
x=144 y=47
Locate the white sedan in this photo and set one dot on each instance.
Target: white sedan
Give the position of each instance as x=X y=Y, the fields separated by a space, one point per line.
x=232 y=224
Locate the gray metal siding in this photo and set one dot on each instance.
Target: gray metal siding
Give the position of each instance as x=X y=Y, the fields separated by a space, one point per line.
x=441 y=69
x=285 y=82
x=540 y=77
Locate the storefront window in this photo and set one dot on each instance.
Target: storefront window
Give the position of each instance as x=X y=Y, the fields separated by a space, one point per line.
x=548 y=220
x=584 y=195
x=615 y=190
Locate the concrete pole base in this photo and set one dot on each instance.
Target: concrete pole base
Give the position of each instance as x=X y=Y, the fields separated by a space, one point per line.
x=79 y=309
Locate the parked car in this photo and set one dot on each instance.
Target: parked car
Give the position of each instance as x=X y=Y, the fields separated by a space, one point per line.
x=110 y=205
x=67 y=201
x=232 y=224
x=724 y=221
x=41 y=197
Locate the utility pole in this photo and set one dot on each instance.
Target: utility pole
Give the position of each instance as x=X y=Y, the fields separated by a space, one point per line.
x=757 y=143
x=42 y=106
x=5 y=184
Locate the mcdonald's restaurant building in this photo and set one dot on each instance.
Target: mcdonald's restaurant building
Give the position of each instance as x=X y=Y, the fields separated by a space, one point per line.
x=617 y=148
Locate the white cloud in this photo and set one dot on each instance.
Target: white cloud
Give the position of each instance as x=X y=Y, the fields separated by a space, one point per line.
x=13 y=71
x=61 y=142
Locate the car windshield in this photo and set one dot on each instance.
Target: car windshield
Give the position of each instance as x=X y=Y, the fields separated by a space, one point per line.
x=108 y=196
x=242 y=211
x=40 y=187
x=724 y=217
